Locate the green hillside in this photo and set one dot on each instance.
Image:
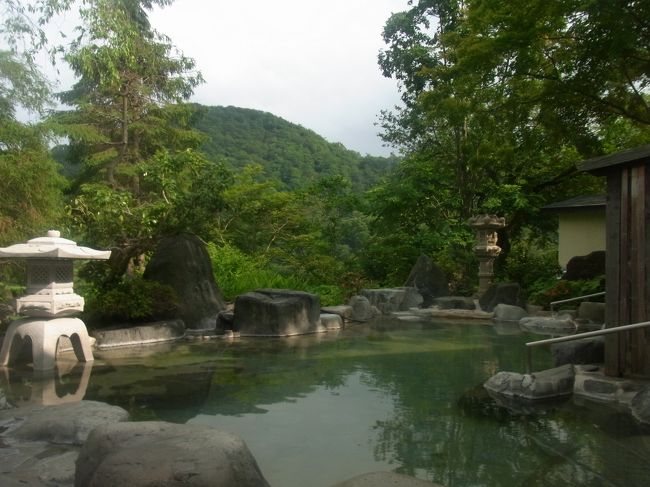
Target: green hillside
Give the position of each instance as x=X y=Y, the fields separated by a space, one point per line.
x=288 y=152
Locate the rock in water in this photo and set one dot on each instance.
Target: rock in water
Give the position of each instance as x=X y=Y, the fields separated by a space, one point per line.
x=182 y=262
x=277 y=312
x=547 y=384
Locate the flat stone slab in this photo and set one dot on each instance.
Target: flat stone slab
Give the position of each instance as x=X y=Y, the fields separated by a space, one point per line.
x=160 y=331
x=549 y=325
x=165 y=454
x=344 y=311
x=385 y=479
x=456 y=314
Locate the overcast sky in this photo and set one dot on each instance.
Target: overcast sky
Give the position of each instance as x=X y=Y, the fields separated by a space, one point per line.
x=311 y=62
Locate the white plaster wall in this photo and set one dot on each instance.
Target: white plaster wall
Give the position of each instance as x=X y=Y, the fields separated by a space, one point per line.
x=580 y=233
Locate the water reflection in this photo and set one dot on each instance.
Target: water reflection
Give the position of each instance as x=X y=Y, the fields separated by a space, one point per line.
x=66 y=383
x=393 y=396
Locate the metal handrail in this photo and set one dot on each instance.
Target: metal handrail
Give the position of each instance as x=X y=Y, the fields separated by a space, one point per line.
x=578 y=336
x=562 y=301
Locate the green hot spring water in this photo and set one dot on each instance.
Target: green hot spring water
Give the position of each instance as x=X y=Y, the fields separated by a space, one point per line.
x=318 y=409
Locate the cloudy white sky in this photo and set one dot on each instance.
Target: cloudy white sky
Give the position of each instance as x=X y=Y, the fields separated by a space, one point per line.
x=311 y=62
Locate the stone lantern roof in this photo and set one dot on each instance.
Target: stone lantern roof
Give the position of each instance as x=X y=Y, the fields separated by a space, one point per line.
x=52 y=246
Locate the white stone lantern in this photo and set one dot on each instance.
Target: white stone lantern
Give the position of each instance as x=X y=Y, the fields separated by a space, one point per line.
x=50 y=297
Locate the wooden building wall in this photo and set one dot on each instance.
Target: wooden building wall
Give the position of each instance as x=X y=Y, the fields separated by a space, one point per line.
x=627 y=276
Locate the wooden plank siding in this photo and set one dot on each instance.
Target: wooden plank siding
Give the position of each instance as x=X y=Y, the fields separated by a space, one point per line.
x=627 y=271
x=637 y=290
x=612 y=274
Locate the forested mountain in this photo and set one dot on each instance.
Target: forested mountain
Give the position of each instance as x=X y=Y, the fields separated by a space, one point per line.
x=288 y=152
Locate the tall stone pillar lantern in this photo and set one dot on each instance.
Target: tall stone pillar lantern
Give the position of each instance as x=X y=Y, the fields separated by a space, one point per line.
x=486 y=247
x=49 y=302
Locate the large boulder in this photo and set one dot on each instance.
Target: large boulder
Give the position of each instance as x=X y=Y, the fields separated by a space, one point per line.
x=594 y=312
x=165 y=455
x=547 y=384
x=390 y=300
x=585 y=266
x=508 y=312
x=583 y=351
x=277 y=312
x=428 y=279
x=361 y=309
x=502 y=293
x=182 y=262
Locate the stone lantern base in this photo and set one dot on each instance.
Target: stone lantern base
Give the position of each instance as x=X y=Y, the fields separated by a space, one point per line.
x=44 y=336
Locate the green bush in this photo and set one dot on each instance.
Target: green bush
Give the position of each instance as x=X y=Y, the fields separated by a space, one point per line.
x=237 y=273
x=532 y=263
x=131 y=300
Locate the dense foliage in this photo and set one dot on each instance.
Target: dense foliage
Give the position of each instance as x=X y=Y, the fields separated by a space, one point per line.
x=500 y=100
x=288 y=153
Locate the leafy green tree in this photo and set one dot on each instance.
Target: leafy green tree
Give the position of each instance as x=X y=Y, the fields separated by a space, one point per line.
x=30 y=185
x=141 y=176
x=501 y=99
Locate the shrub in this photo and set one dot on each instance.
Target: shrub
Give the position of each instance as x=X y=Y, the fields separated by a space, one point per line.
x=238 y=273
x=561 y=289
x=532 y=264
x=131 y=300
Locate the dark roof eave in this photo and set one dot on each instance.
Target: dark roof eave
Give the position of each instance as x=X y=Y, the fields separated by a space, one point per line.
x=597 y=164
x=579 y=203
